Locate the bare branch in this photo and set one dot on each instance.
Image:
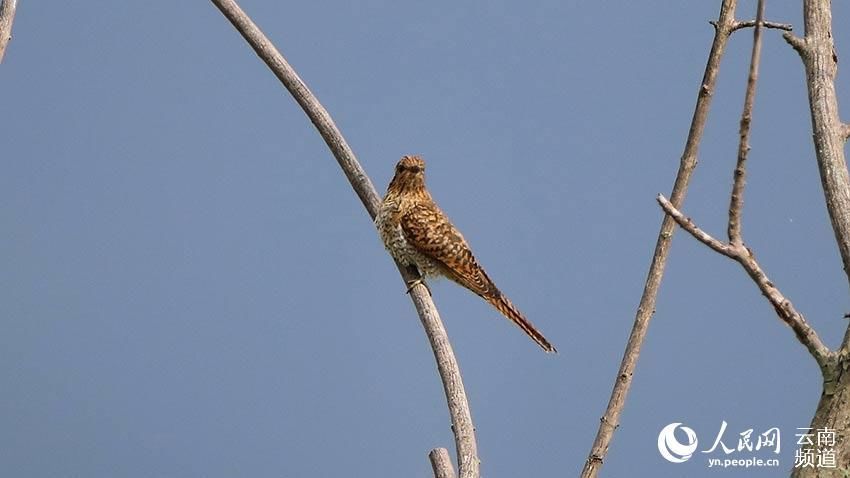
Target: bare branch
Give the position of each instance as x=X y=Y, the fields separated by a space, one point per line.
x=736 y=203
x=784 y=308
x=441 y=463
x=610 y=419
x=742 y=255
x=7 y=18
x=817 y=51
x=461 y=418
x=751 y=23
x=797 y=43
x=786 y=311
x=688 y=225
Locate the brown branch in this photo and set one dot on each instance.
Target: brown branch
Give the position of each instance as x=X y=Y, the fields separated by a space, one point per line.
x=610 y=419
x=742 y=255
x=7 y=18
x=447 y=365
x=736 y=202
x=751 y=23
x=845 y=131
x=441 y=463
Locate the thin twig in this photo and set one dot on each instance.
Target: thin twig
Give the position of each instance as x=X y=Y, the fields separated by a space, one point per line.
x=736 y=202
x=751 y=23
x=447 y=365
x=7 y=18
x=441 y=463
x=610 y=419
x=742 y=255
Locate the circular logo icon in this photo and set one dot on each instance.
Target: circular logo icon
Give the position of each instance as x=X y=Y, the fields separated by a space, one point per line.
x=670 y=447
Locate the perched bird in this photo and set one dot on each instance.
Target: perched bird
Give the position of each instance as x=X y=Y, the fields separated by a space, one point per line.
x=416 y=232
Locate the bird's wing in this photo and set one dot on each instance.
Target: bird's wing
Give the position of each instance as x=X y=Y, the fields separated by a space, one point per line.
x=428 y=230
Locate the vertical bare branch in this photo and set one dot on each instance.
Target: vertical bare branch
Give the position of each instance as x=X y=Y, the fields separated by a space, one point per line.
x=736 y=202
x=7 y=17
x=817 y=52
x=449 y=370
x=610 y=420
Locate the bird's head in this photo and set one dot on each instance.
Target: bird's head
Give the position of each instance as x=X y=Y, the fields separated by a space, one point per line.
x=409 y=175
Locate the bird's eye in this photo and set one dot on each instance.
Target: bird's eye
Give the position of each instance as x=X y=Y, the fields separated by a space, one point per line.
x=409 y=168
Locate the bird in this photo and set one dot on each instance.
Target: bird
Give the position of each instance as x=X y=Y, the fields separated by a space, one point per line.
x=416 y=232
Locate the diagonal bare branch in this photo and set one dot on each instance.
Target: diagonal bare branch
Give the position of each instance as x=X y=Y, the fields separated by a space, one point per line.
x=461 y=418
x=609 y=421
x=691 y=228
x=742 y=255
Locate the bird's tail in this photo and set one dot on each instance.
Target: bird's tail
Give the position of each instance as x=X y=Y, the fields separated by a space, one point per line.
x=509 y=310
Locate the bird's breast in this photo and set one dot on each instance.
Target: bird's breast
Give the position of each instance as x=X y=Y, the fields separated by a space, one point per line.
x=389 y=228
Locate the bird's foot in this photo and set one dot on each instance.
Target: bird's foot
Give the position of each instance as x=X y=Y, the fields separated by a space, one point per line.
x=414 y=283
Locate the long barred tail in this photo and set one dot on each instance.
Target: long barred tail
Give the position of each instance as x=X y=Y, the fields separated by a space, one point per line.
x=507 y=308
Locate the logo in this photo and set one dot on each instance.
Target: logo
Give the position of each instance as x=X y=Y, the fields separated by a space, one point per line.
x=671 y=449
x=679 y=448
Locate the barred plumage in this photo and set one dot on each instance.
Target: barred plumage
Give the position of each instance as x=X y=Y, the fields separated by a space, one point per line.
x=416 y=232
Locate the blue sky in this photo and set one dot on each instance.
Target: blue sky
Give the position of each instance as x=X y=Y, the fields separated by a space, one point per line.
x=189 y=287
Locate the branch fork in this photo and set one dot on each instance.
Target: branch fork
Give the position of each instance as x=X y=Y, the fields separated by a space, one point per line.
x=744 y=256
x=735 y=248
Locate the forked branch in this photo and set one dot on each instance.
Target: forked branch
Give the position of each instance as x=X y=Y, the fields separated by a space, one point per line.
x=447 y=365
x=735 y=248
x=723 y=28
x=744 y=256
